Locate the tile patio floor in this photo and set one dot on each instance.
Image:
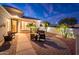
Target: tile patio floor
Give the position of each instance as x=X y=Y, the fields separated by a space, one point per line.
x=22 y=45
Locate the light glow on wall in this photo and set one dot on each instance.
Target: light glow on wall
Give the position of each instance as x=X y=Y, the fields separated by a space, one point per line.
x=8 y=25
x=15 y=16
x=24 y=25
x=38 y=23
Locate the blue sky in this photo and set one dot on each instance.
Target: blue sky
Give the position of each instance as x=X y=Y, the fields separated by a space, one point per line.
x=48 y=12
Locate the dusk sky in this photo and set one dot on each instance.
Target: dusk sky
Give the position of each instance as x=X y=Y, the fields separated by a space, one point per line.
x=48 y=12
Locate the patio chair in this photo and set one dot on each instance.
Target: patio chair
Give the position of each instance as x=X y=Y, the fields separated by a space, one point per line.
x=41 y=35
x=34 y=36
x=9 y=37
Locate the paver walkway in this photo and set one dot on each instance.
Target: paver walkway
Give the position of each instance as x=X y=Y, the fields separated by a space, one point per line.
x=22 y=45
x=52 y=46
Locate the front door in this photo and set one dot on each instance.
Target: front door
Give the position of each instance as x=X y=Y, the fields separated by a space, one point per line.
x=14 y=25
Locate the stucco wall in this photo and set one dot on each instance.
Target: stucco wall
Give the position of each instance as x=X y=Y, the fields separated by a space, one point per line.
x=4 y=17
x=76 y=33
x=52 y=30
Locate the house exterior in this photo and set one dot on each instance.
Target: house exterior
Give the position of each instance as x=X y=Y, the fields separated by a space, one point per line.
x=76 y=25
x=12 y=19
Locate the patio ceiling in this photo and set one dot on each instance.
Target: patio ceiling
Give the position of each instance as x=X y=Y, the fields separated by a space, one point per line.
x=14 y=11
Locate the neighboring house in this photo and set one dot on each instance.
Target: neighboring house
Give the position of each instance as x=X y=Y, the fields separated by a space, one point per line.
x=12 y=19
x=76 y=25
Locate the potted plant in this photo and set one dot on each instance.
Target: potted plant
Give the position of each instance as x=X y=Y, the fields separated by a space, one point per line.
x=33 y=29
x=46 y=25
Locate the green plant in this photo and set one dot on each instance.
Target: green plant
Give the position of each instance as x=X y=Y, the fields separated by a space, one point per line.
x=63 y=29
x=65 y=24
x=32 y=27
x=46 y=25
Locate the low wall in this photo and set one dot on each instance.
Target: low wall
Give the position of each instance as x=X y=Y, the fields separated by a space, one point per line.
x=52 y=30
x=74 y=31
